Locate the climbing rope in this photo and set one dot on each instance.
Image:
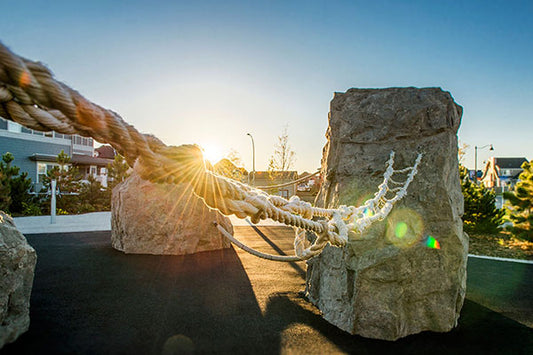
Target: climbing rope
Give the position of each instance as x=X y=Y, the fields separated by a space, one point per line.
x=30 y=96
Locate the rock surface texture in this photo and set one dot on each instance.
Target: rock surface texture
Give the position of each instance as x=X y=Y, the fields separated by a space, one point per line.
x=396 y=281
x=163 y=219
x=17 y=266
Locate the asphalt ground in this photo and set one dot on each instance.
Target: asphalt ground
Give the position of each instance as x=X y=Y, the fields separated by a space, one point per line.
x=88 y=298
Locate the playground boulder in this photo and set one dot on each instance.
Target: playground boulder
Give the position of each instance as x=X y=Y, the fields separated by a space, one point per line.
x=163 y=219
x=407 y=274
x=17 y=266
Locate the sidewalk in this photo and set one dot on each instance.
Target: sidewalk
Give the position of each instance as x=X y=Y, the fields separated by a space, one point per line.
x=91 y=222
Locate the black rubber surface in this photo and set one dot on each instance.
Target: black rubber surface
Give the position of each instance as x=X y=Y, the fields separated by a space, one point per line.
x=90 y=299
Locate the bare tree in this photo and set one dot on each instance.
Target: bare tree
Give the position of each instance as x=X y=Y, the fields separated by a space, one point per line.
x=283 y=157
x=462 y=151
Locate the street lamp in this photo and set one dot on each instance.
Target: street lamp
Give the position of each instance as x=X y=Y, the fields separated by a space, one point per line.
x=475 y=163
x=253 y=159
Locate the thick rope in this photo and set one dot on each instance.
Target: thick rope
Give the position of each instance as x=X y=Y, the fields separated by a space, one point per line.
x=30 y=96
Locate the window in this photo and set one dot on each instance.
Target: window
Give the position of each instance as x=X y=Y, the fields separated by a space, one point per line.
x=93 y=170
x=14 y=127
x=284 y=193
x=44 y=168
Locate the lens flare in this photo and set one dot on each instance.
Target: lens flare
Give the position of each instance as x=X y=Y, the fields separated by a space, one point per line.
x=432 y=243
x=401 y=229
x=405 y=228
x=25 y=79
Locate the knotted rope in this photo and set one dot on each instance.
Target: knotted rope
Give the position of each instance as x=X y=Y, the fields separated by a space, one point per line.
x=30 y=96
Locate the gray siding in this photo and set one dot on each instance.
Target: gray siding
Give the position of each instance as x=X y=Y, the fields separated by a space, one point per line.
x=22 y=150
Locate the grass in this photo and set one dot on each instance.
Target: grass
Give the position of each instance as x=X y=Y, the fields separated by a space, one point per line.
x=503 y=245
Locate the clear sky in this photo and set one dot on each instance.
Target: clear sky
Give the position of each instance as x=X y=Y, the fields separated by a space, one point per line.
x=208 y=72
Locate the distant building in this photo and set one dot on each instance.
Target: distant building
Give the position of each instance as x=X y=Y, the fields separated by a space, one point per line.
x=501 y=174
x=226 y=168
x=36 y=152
x=266 y=178
x=308 y=189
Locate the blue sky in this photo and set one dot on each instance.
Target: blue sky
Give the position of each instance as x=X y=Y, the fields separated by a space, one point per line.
x=208 y=72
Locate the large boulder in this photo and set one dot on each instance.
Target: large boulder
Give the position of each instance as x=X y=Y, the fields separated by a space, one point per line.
x=161 y=219
x=17 y=266
x=408 y=274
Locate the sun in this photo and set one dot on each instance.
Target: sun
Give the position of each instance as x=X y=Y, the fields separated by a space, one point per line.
x=212 y=153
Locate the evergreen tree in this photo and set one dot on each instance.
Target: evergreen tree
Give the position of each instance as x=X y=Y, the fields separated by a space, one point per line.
x=118 y=171
x=520 y=204
x=68 y=182
x=480 y=212
x=15 y=194
x=94 y=197
x=21 y=199
x=6 y=174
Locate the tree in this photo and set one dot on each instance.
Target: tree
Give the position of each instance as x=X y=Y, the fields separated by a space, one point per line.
x=461 y=152
x=68 y=182
x=94 y=197
x=480 y=212
x=283 y=157
x=6 y=173
x=117 y=170
x=15 y=189
x=520 y=204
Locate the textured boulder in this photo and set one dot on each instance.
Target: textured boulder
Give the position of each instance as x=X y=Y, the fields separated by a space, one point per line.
x=396 y=281
x=149 y=218
x=17 y=266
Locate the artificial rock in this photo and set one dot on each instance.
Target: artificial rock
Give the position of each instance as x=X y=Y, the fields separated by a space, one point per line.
x=163 y=219
x=408 y=273
x=17 y=267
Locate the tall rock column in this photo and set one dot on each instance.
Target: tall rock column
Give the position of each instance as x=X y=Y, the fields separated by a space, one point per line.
x=408 y=273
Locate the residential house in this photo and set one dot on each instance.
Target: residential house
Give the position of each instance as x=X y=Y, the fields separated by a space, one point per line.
x=226 y=167
x=264 y=179
x=501 y=174
x=308 y=189
x=36 y=152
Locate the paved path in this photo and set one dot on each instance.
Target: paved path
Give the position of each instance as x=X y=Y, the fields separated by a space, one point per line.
x=91 y=299
x=89 y=222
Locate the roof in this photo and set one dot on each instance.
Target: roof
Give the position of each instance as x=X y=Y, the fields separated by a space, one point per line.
x=509 y=163
x=43 y=157
x=283 y=175
x=89 y=160
x=105 y=151
x=79 y=159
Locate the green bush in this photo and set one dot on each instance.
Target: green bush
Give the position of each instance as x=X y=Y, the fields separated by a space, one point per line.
x=480 y=212
x=520 y=204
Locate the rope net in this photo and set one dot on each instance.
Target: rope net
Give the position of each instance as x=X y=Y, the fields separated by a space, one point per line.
x=30 y=96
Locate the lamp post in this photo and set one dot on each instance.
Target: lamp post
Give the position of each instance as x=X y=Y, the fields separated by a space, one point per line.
x=475 y=159
x=253 y=159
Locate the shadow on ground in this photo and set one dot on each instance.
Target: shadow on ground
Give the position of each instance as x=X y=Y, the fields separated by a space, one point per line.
x=90 y=299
